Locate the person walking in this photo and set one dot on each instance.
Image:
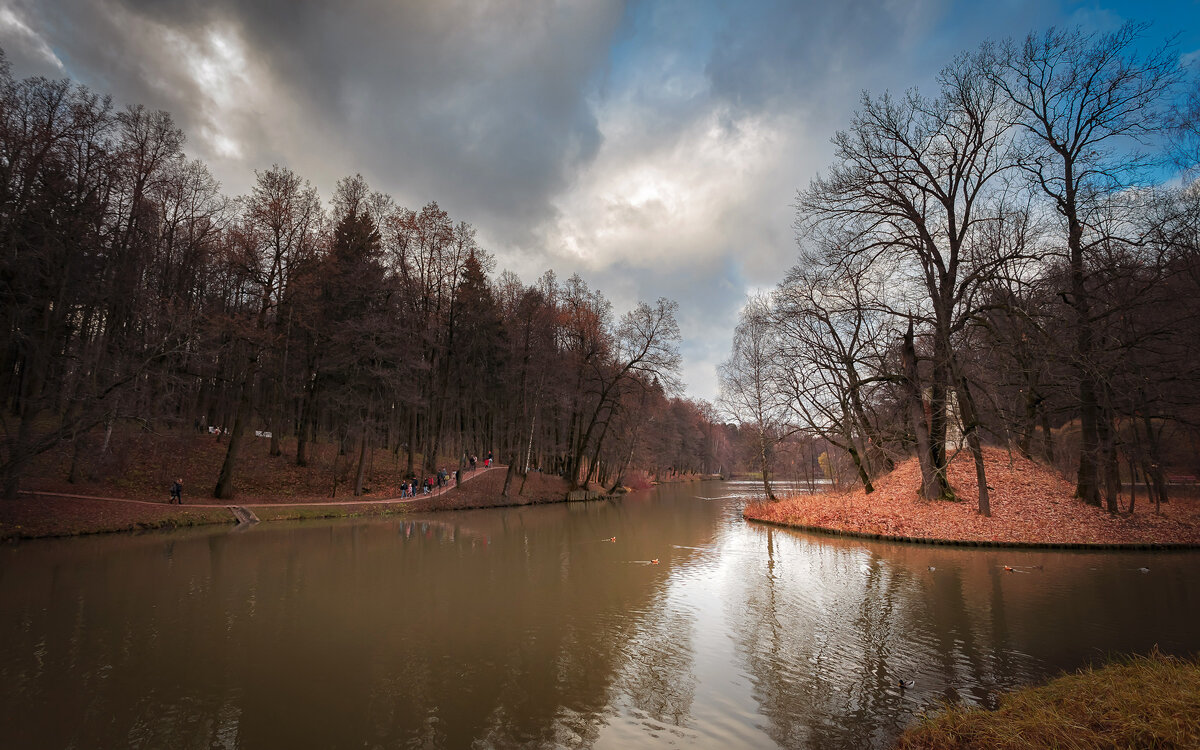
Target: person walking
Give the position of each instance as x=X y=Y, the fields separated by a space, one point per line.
x=177 y=492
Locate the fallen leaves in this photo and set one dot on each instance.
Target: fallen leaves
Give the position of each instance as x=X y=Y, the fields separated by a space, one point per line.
x=1030 y=503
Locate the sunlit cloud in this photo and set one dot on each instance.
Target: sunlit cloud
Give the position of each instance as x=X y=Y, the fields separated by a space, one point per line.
x=647 y=204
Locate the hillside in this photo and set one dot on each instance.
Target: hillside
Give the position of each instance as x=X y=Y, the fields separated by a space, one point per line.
x=141 y=466
x=127 y=490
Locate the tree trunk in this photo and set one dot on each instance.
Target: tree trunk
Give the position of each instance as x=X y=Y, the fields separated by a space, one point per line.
x=224 y=488
x=1029 y=423
x=864 y=424
x=595 y=462
x=859 y=465
x=277 y=391
x=966 y=404
x=1111 y=471
x=861 y=460
x=1132 y=484
x=1087 y=486
x=765 y=464
x=508 y=475
x=362 y=462
x=76 y=450
x=1155 y=480
x=916 y=413
x=307 y=422
x=410 y=453
x=939 y=422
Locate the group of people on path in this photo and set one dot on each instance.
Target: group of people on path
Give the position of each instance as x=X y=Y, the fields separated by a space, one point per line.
x=409 y=488
x=443 y=478
x=487 y=462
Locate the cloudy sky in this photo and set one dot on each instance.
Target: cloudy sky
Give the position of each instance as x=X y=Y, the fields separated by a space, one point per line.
x=653 y=147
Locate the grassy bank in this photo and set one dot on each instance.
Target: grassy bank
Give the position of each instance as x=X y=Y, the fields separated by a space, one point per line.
x=1140 y=702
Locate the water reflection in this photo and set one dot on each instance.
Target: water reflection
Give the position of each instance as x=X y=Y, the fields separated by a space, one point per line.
x=529 y=627
x=827 y=627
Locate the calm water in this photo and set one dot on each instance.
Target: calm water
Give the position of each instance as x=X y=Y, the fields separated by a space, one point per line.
x=525 y=627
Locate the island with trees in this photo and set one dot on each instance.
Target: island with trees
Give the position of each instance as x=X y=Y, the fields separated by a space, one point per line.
x=990 y=333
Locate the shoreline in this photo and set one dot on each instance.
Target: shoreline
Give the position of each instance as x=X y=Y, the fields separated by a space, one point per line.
x=982 y=543
x=1090 y=708
x=45 y=514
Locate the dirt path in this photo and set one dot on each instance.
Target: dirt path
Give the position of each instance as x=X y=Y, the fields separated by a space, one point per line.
x=468 y=476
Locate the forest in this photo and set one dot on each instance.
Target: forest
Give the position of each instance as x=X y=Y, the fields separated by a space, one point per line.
x=138 y=297
x=1013 y=259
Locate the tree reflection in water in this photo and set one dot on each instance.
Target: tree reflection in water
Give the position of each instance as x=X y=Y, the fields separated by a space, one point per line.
x=656 y=676
x=827 y=626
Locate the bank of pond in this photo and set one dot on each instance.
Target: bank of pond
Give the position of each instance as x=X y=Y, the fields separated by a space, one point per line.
x=1031 y=505
x=1139 y=701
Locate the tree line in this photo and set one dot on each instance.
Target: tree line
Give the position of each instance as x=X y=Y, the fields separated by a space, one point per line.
x=134 y=292
x=1014 y=259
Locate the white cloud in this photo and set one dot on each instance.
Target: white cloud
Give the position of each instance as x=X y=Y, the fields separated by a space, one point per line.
x=661 y=202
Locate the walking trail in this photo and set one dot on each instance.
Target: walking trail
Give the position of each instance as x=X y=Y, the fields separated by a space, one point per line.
x=467 y=476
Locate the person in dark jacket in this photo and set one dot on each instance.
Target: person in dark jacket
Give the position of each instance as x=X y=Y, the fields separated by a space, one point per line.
x=177 y=492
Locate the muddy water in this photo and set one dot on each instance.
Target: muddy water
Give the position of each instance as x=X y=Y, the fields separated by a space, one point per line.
x=526 y=627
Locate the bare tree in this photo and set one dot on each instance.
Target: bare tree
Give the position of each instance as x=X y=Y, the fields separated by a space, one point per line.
x=1082 y=104
x=831 y=324
x=1184 y=122
x=916 y=177
x=749 y=392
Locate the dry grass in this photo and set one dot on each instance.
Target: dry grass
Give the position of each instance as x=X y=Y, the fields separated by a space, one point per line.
x=1139 y=702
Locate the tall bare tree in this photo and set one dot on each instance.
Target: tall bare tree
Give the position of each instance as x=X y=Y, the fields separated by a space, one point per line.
x=917 y=177
x=749 y=392
x=1083 y=102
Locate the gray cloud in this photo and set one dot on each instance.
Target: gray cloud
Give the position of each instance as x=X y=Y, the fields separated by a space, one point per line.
x=481 y=105
x=654 y=147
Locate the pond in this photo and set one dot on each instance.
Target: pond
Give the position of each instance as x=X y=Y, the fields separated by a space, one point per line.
x=529 y=627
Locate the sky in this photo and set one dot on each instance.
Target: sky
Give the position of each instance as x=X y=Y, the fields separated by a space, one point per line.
x=655 y=148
